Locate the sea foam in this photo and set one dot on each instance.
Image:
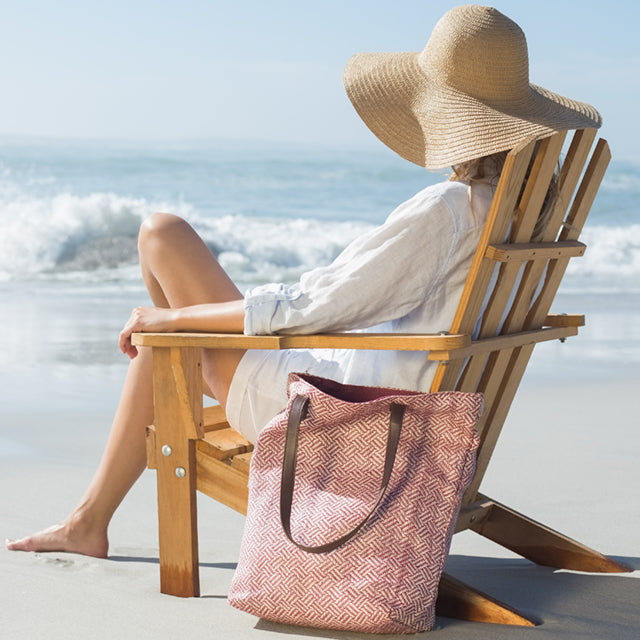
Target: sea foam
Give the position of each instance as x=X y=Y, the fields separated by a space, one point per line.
x=611 y=261
x=41 y=234
x=95 y=235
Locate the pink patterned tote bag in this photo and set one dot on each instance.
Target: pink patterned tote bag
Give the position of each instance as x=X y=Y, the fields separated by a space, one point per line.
x=353 y=498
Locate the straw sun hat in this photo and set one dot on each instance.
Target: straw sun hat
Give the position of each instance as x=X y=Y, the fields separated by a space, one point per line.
x=466 y=95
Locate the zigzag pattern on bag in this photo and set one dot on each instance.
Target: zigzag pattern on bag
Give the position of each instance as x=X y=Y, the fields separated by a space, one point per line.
x=385 y=579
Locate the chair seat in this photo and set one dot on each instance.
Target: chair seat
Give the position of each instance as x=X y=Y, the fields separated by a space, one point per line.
x=223 y=444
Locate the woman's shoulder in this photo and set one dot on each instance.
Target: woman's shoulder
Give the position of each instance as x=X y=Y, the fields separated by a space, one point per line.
x=468 y=206
x=447 y=190
x=443 y=198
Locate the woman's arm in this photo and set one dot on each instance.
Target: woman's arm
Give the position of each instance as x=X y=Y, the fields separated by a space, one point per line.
x=383 y=275
x=222 y=317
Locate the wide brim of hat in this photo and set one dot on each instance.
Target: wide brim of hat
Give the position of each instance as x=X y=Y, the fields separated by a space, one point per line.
x=431 y=124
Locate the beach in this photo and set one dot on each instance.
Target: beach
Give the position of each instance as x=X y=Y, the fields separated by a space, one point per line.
x=564 y=480
x=567 y=456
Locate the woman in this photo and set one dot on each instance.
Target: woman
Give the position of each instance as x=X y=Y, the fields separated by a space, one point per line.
x=462 y=101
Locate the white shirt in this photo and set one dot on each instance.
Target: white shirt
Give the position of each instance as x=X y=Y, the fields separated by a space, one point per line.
x=405 y=276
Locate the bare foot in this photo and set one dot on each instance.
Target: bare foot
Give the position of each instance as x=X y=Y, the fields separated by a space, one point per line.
x=70 y=535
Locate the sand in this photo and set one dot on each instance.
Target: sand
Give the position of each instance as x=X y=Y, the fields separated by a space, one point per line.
x=568 y=459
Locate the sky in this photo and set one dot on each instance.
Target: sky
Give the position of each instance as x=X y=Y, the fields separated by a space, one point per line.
x=272 y=69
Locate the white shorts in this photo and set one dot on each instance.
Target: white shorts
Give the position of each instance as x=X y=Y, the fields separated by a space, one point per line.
x=258 y=390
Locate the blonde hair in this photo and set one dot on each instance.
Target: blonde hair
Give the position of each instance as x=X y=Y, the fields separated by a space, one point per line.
x=487 y=169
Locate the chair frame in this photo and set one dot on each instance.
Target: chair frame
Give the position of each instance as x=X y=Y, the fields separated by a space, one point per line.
x=509 y=290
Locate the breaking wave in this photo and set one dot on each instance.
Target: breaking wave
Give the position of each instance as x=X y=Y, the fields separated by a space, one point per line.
x=267 y=215
x=95 y=236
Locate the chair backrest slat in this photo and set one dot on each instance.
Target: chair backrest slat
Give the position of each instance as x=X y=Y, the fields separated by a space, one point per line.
x=482 y=268
x=512 y=296
x=570 y=173
x=502 y=298
x=571 y=230
x=531 y=204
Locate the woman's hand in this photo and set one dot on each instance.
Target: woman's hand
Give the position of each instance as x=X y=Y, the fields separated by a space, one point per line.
x=147 y=319
x=225 y=317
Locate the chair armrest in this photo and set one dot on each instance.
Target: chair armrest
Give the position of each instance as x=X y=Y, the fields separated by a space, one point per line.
x=375 y=341
x=509 y=341
x=443 y=346
x=564 y=320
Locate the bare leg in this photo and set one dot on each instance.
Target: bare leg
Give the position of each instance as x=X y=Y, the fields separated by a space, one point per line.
x=85 y=529
x=178 y=270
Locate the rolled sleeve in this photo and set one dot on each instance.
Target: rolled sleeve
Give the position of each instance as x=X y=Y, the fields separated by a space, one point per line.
x=261 y=304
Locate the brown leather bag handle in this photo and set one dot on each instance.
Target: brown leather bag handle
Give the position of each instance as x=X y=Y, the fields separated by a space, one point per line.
x=297 y=414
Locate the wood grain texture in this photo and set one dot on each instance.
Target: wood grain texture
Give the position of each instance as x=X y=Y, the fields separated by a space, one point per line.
x=540 y=544
x=376 y=341
x=177 y=413
x=463 y=602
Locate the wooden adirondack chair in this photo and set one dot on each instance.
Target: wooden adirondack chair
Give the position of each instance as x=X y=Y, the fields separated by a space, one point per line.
x=508 y=293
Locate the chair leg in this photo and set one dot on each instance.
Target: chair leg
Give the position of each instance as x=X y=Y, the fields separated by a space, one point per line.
x=177 y=528
x=458 y=600
x=178 y=416
x=540 y=544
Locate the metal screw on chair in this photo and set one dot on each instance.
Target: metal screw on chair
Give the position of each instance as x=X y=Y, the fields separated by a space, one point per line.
x=166 y=450
x=562 y=340
x=180 y=472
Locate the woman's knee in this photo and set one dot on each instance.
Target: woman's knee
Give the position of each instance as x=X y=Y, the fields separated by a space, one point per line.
x=158 y=229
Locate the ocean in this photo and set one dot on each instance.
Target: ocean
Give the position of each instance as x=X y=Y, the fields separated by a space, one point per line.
x=70 y=212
